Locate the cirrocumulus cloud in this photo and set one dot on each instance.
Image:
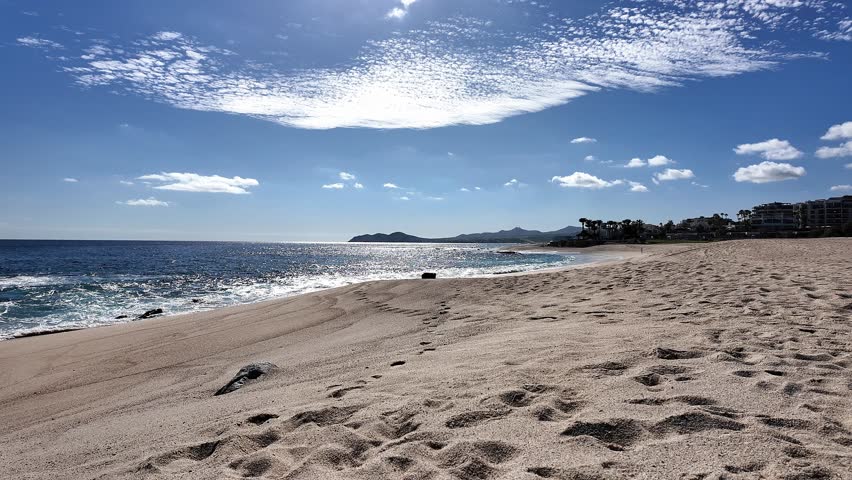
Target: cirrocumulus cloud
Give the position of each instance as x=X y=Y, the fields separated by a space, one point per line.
x=430 y=77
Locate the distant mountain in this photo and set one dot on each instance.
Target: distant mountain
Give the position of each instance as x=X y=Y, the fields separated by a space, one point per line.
x=397 y=237
x=515 y=235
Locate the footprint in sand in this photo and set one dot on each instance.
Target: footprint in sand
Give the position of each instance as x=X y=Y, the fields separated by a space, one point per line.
x=620 y=433
x=673 y=354
x=261 y=418
x=616 y=433
x=557 y=409
x=252 y=467
x=692 y=400
x=469 y=419
x=340 y=392
x=649 y=379
x=475 y=460
x=203 y=451
x=607 y=368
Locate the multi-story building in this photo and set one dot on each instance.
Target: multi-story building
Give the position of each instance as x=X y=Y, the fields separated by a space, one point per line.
x=831 y=212
x=775 y=216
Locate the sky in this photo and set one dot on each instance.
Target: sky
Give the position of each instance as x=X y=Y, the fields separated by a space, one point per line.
x=318 y=120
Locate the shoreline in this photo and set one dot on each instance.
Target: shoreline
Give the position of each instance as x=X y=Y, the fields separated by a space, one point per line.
x=685 y=360
x=42 y=332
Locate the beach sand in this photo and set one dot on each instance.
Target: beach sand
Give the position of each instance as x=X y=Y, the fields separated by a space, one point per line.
x=693 y=361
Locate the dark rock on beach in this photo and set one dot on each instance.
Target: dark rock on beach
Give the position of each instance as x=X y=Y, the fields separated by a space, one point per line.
x=246 y=374
x=429 y=275
x=150 y=313
x=120 y=317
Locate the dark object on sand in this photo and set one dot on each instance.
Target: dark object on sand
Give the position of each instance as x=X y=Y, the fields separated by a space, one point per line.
x=196 y=300
x=429 y=275
x=44 y=332
x=150 y=313
x=120 y=317
x=508 y=252
x=250 y=372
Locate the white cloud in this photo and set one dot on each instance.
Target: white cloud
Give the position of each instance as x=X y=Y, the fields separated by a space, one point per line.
x=766 y=172
x=451 y=154
x=436 y=199
x=477 y=188
x=125 y=182
x=333 y=186
x=145 y=202
x=673 y=174
x=36 y=42
x=463 y=189
x=700 y=185
x=404 y=198
x=656 y=161
x=838 y=132
x=844 y=150
x=392 y=186
x=841 y=188
x=430 y=77
x=70 y=180
x=584 y=140
x=193 y=182
x=849 y=166
x=772 y=149
x=396 y=13
x=582 y=180
x=590 y=158
x=659 y=161
x=348 y=178
x=400 y=12
x=513 y=183
x=167 y=36
x=637 y=187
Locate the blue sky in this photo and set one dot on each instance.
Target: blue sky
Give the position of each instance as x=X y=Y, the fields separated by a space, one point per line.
x=323 y=119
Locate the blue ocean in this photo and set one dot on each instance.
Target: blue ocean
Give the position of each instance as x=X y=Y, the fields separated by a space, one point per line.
x=51 y=285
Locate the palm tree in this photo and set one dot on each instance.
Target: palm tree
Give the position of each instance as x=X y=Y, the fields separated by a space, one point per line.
x=583 y=221
x=747 y=218
x=639 y=228
x=610 y=227
x=596 y=225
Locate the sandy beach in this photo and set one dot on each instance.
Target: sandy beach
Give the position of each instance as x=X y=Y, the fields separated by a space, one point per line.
x=692 y=361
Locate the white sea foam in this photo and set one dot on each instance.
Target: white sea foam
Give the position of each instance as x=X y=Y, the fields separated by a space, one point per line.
x=88 y=301
x=24 y=281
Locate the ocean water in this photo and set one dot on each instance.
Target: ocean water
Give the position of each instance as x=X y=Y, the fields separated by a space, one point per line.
x=49 y=285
